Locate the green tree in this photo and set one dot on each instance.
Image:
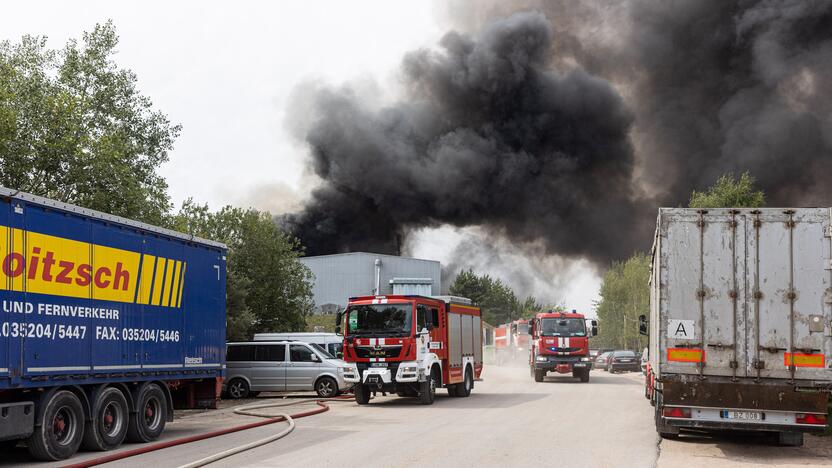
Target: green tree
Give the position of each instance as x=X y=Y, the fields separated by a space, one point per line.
x=268 y=289
x=625 y=294
x=729 y=192
x=497 y=300
x=74 y=127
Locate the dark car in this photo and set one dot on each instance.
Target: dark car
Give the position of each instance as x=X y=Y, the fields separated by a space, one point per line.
x=601 y=361
x=623 y=361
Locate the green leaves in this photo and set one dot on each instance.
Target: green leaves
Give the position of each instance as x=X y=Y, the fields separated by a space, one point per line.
x=497 y=300
x=625 y=294
x=268 y=289
x=73 y=127
x=728 y=192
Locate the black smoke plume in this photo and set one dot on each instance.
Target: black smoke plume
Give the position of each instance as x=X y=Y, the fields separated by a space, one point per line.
x=487 y=134
x=572 y=124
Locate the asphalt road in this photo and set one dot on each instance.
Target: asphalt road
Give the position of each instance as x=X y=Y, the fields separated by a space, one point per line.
x=509 y=420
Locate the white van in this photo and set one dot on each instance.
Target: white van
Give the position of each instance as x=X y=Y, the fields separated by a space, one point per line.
x=334 y=344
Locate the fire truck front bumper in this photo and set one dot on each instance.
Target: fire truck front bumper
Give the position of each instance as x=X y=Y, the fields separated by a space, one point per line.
x=562 y=364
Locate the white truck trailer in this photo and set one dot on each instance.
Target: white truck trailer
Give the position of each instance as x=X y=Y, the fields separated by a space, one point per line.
x=739 y=326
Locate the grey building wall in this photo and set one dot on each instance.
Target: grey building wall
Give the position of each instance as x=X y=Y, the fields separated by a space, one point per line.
x=341 y=276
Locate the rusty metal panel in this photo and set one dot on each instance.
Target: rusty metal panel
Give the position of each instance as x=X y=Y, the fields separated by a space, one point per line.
x=748 y=395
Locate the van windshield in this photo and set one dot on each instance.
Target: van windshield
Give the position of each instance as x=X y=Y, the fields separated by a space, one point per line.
x=324 y=353
x=380 y=319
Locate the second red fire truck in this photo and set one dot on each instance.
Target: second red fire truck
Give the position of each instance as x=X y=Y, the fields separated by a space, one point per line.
x=411 y=345
x=560 y=343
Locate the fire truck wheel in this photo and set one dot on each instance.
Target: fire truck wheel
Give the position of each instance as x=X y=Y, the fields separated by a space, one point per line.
x=427 y=389
x=538 y=375
x=452 y=390
x=362 y=394
x=464 y=389
x=584 y=375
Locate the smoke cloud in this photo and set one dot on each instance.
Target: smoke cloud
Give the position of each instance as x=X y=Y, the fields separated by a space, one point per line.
x=565 y=124
x=486 y=134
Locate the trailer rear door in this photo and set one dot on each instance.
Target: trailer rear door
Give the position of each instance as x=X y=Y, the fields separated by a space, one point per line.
x=789 y=262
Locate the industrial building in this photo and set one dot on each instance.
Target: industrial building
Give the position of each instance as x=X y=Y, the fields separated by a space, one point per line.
x=341 y=276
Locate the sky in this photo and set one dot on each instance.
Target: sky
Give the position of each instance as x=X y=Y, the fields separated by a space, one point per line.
x=227 y=75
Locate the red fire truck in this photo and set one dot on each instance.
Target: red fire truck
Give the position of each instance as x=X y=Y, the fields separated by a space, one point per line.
x=560 y=343
x=411 y=345
x=511 y=341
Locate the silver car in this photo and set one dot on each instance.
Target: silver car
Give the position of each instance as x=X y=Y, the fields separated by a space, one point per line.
x=282 y=366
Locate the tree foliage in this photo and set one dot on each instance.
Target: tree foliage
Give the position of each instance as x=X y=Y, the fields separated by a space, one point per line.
x=625 y=294
x=74 y=127
x=497 y=300
x=729 y=192
x=268 y=289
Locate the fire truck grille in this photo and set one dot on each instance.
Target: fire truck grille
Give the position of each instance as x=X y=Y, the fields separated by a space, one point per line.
x=381 y=352
x=564 y=350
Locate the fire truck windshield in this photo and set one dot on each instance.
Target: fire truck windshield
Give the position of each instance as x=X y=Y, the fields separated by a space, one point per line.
x=562 y=327
x=380 y=319
x=523 y=328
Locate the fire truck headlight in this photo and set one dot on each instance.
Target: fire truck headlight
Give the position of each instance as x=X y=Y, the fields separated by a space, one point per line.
x=540 y=359
x=410 y=369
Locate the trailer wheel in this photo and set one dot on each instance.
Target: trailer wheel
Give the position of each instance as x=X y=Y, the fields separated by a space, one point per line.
x=362 y=394
x=148 y=422
x=238 y=389
x=665 y=431
x=59 y=431
x=790 y=439
x=326 y=387
x=538 y=375
x=584 y=375
x=427 y=390
x=110 y=417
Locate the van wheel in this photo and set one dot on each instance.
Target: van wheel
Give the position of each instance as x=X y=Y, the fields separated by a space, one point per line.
x=237 y=389
x=110 y=416
x=326 y=387
x=362 y=394
x=148 y=422
x=60 y=428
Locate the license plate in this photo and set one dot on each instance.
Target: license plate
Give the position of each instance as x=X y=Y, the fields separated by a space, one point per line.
x=743 y=415
x=378 y=364
x=626 y=360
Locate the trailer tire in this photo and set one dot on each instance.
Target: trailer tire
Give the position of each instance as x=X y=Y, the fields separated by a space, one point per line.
x=584 y=375
x=427 y=389
x=107 y=427
x=790 y=439
x=148 y=422
x=362 y=394
x=60 y=430
x=665 y=431
x=326 y=387
x=238 y=389
x=538 y=375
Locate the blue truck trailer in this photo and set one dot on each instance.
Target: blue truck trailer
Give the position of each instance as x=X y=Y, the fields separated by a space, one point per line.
x=106 y=325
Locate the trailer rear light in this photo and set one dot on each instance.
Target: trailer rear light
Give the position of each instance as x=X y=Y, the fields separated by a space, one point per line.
x=675 y=412
x=809 y=418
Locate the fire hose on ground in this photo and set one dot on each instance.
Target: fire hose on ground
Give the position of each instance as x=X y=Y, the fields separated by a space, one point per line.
x=242 y=410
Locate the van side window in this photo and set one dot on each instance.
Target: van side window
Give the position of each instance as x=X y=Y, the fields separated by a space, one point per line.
x=240 y=353
x=336 y=349
x=300 y=353
x=271 y=353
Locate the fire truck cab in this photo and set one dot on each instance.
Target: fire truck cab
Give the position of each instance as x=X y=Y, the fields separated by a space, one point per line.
x=411 y=345
x=560 y=343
